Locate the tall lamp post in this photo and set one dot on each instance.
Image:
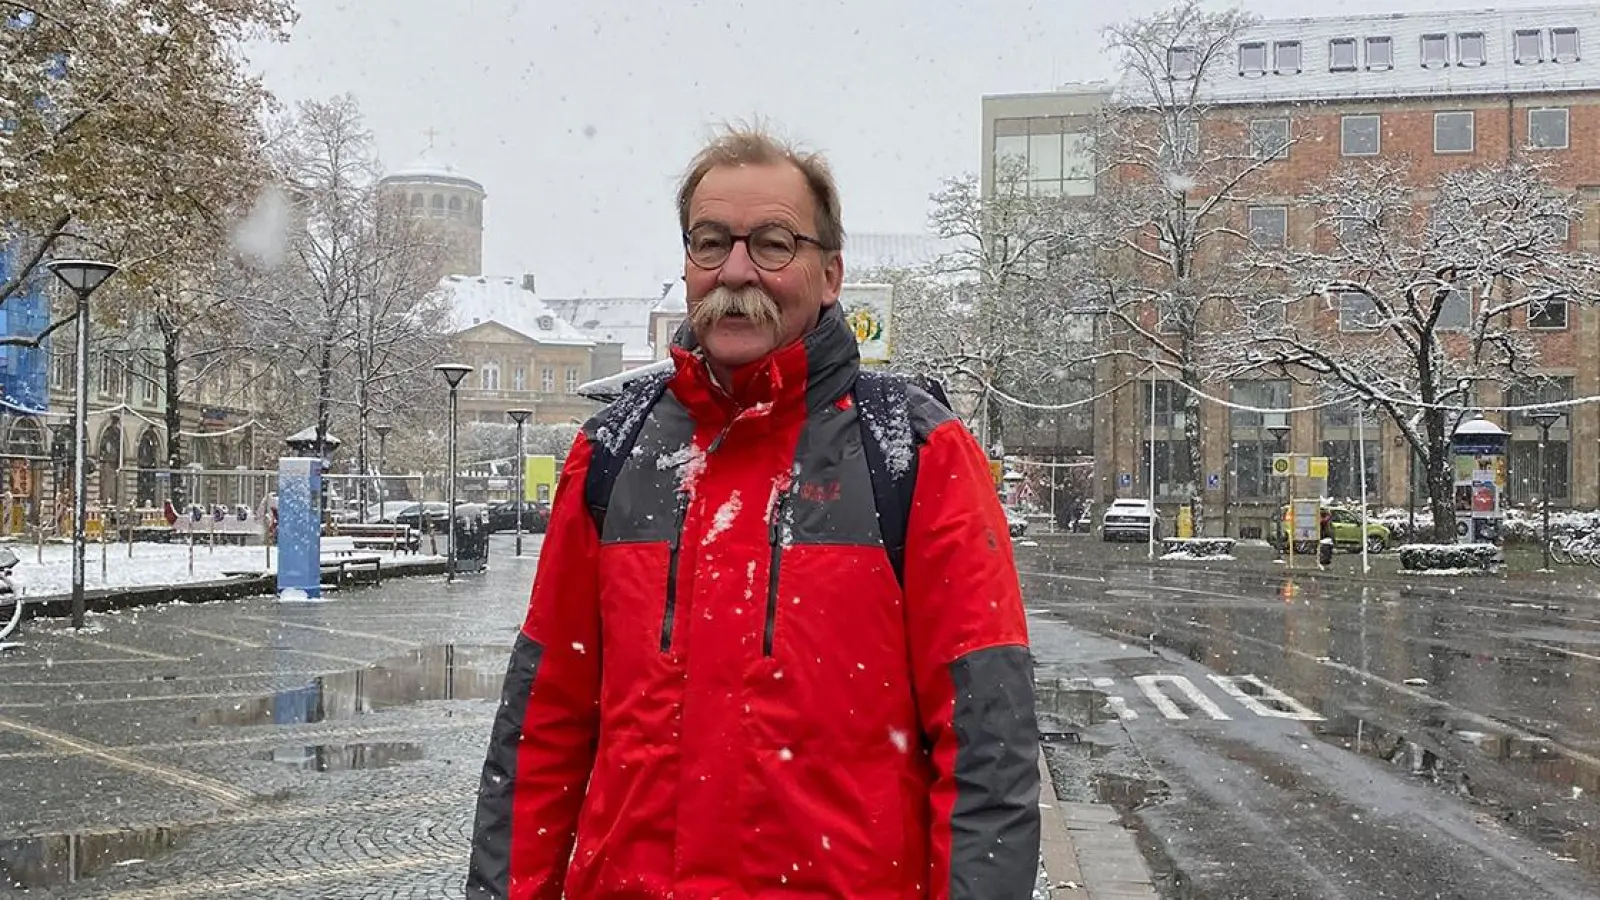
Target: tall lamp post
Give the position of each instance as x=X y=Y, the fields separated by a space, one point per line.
x=1280 y=433
x=383 y=464
x=520 y=416
x=81 y=276
x=1545 y=419
x=453 y=373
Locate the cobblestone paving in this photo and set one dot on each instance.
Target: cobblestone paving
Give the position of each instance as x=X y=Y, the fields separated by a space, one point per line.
x=260 y=749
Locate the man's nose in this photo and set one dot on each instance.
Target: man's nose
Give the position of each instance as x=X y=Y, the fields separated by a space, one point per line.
x=738 y=270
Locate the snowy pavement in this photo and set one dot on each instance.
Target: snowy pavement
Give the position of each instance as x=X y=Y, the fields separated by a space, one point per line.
x=149 y=564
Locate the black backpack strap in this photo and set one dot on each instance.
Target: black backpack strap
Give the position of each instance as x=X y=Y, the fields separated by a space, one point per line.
x=612 y=434
x=890 y=445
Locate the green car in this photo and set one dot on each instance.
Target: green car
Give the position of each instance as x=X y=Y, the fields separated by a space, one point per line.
x=1346 y=533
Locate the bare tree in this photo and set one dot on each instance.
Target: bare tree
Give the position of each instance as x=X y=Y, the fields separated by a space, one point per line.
x=1001 y=310
x=1423 y=294
x=1177 y=170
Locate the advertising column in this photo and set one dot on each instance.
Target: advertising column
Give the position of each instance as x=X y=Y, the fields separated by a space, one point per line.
x=299 y=528
x=1478 y=450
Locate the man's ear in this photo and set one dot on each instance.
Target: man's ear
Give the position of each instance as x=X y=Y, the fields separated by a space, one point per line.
x=833 y=279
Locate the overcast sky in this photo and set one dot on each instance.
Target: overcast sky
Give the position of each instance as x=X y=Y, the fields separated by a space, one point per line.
x=578 y=117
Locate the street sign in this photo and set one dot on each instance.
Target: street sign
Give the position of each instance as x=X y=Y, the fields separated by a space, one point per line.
x=1124 y=480
x=1282 y=464
x=1213 y=481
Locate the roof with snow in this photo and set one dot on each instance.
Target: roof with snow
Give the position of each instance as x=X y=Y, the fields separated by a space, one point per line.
x=428 y=169
x=479 y=299
x=611 y=320
x=1524 y=51
x=675 y=299
x=872 y=250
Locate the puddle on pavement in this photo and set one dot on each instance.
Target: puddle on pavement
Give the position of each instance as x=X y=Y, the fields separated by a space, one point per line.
x=342 y=757
x=1527 y=782
x=1067 y=705
x=1128 y=792
x=50 y=860
x=439 y=672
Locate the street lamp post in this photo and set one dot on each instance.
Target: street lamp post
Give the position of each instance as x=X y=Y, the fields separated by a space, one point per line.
x=1545 y=419
x=1280 y=433
x=520 y=416
x=81 y=276
x=383 y=464
x=453 y=373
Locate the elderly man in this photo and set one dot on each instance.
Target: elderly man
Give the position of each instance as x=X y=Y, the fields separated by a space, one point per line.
x=749 y=669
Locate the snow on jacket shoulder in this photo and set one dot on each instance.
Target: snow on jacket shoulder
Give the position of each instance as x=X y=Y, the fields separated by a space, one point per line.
x=727 y=693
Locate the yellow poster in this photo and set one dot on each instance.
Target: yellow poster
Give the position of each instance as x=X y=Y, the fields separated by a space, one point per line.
x=539 y=479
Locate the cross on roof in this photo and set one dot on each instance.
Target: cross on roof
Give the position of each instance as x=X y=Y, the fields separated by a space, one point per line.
x=432 y=133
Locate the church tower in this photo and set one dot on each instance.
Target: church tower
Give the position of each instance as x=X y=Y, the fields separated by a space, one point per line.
x=449 y=201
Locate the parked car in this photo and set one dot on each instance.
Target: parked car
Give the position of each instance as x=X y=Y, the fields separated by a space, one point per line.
x=1016 y=522
x=503 y=516
x=1130 y=520
x=431 y=516
x=1346 y=532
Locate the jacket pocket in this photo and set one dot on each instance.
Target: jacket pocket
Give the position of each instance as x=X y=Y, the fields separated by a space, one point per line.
x=670 y=608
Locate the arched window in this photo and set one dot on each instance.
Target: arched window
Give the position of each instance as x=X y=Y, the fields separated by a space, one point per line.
x=455 y=206
x=474 y=212
x=25 y=438
x=419 y=205
x=437 y=205
x=109 y=460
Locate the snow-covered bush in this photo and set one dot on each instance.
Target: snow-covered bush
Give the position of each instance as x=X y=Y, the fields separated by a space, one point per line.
x=1449 y=557
x=1210 y=548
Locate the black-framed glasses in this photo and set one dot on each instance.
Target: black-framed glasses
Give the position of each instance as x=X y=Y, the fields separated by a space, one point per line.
x=771 y=247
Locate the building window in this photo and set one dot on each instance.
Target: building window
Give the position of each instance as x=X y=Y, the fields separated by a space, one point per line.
x=1172 y=316
x=1342 y=55
x=1435 y=51
x=519 y=378
x=1341 y=444
x=1269 y=225
x=572 y=381
x=1055 y=162
x=1547 y=315
x=1564 y=45
x=1453 y=132
x=1181 y=62
x=1471 y=50
x=547 y=380
x=436 y=205
x=1359 y=135
x=1527 y=47
x=1455 y=311
x=455 y=207
x=1547 y=129
x=1252 y=444
x=1253 y=59
x=489 y=377
x=1355 y=220
x=1173 y=464
x=1286 y=57
x=1269 y=138
x=147 y=388
x=1357 y=312
x=1380 y=54
x=1523 y=481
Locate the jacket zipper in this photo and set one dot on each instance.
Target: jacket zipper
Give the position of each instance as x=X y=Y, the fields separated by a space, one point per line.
x=775 y=538
x=671 y=608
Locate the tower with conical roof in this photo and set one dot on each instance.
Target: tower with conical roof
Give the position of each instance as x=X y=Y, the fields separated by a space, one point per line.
x=448 y=201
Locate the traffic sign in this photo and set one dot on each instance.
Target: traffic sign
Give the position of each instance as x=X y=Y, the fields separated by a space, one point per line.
x=1282 y=464
x=1213 y=481
x=1124 y=480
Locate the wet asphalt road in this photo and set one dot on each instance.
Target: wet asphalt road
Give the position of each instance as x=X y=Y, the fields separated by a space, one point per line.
x=1321 y=738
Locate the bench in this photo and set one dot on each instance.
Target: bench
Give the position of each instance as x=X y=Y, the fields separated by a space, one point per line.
x=380 y=536
x=340 y=561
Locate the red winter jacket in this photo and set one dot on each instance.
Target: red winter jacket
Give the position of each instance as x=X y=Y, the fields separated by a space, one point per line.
x=727 y=694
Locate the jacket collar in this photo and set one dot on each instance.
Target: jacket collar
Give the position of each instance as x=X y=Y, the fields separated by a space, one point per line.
x=804 y=375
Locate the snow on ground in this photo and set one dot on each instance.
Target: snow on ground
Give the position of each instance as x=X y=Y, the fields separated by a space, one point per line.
x=150 y=564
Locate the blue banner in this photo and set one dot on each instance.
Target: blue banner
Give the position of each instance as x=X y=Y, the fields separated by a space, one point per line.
x=24 y=371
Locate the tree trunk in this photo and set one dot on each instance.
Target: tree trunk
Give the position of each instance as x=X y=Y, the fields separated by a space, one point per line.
x=1441 y=478
x=1191 y=438
x=171 y=349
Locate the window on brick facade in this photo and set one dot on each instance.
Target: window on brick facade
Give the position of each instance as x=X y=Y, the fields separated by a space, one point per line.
x=1435 y=51
x=1453 y=132
x=1342 y=55
x=1269 y=225
x=1528 y=47
x=1357 y=312
x=1269 y=138
x=1286 y=57
x=1380 y=54
x=1253 y=59
x=1181 y=62
x=1455 y=311
x=1547 y=315
x=1359 y=135
x=1547 y=129
x=1564 y=45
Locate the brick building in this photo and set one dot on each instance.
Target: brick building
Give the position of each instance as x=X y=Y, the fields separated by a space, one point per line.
x=1440 y=91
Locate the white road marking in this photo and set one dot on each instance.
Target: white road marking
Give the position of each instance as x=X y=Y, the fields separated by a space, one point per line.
x=1151 y=686
x=1104 y=682
x=1120 y=707
x=1287 y=706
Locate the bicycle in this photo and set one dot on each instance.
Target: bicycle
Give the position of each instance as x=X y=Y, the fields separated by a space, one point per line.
x=10 y=595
